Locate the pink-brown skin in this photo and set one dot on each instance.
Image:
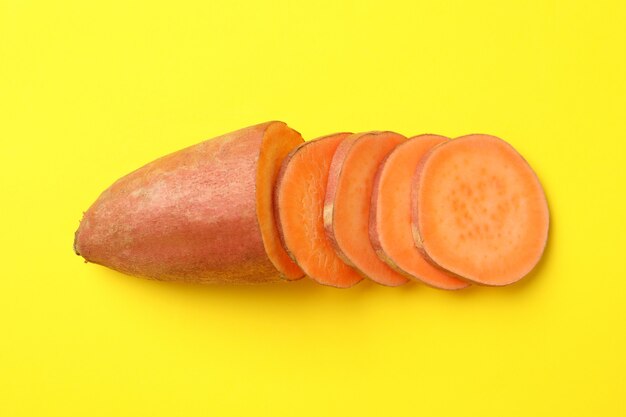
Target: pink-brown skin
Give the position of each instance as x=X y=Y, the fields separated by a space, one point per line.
x=189 y=216
x=348 y=202
x=299 y=204
x=479 y=210
x=390 y=222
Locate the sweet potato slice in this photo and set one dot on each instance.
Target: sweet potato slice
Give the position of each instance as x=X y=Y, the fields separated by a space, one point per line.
x=479 y=210
x=202 y=214
x=278 y=141
x=300 y=192
x=390 y=222
x=348 y=200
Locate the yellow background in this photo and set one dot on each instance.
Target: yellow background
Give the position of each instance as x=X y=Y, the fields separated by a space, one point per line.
x=92 y=90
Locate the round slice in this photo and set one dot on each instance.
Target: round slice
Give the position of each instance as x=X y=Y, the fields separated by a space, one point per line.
x=390 y=222
x=279 y=140
x=299 y=206
x=348 y=201
x=479 y=210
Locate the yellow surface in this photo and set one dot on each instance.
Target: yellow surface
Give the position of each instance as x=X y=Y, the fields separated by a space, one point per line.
x=92 y=90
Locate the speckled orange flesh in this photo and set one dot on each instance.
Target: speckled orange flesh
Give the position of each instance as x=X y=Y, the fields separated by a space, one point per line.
x=300 y=192
x=390 y=222
x=348 y=202
x=202 y=214
x=479 y=210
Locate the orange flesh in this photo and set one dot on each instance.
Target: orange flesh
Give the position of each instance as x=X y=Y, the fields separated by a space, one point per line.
x=348 y=212
x=390 y=226
x=278 y=141
x=300 y=203
x=480 y=210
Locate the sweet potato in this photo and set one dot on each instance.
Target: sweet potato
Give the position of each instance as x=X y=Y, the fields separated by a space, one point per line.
x=348 y=200
x=479 y=210
x=202 y=214
x=300 y=192
x=390 y=221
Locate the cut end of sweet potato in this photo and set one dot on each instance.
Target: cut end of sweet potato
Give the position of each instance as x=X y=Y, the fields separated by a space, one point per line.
x=390 y=223
x=300 y=192
x=194 y=215
x=278 y=141
x=480 y=211
x=348 y=202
